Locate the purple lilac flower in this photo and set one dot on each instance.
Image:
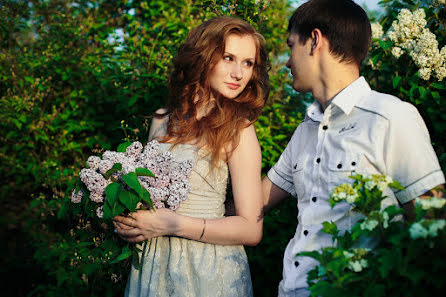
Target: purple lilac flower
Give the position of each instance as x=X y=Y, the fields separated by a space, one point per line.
x=93 y=162
x=76 y=197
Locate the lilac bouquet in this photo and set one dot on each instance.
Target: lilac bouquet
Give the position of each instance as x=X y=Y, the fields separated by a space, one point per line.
x=137 y=178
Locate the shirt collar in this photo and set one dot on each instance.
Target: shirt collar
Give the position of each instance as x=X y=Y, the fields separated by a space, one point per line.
x=344 y=100
x=351 y=95
x=315 y=112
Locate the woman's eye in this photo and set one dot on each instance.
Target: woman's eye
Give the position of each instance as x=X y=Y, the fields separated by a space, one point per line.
x=249 y=63
x=227 y=58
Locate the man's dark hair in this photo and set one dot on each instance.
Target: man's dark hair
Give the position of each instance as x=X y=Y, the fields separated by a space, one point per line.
x=344 y=23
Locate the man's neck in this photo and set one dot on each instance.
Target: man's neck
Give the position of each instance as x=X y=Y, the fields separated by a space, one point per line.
x=334 y=79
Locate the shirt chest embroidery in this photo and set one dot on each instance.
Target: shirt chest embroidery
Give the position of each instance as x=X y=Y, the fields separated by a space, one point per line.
x=347 y=128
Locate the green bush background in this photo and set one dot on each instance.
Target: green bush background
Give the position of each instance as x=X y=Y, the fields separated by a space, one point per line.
x=68 y=79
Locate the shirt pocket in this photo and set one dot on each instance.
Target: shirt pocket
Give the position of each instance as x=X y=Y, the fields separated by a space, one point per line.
x=298 y=175
x=341 y=166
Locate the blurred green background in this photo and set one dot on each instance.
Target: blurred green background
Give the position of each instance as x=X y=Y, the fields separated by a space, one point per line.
x=78 y=77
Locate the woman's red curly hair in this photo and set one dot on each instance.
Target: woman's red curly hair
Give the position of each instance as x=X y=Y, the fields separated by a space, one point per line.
x=195 y=60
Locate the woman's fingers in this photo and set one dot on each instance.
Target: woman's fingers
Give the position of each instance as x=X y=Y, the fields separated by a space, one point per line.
x=129 y=221
x=121 y=225
x=129 y=232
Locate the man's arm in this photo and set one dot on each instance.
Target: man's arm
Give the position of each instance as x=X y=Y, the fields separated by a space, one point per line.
x=272 y=194
x=409 y=207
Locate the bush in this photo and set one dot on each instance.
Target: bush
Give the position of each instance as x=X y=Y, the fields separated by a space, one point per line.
x=70 y=73
x=382 y=255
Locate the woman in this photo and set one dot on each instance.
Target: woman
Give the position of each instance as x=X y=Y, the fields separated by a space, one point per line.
x=217 y=90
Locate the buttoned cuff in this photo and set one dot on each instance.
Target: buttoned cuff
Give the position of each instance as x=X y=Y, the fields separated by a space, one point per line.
x=281 y=182
x=420 y=187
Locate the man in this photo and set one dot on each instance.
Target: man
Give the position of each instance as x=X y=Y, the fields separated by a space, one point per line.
x=349 y=128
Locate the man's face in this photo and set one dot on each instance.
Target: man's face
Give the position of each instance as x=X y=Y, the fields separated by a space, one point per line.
x=300 y=63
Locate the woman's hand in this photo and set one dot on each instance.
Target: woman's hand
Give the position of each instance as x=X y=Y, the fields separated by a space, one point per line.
x=145 y=224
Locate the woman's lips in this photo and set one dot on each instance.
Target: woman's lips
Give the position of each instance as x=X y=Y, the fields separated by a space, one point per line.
x=233 y=86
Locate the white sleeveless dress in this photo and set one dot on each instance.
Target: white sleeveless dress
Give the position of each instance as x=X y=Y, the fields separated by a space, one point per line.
x=178 y=267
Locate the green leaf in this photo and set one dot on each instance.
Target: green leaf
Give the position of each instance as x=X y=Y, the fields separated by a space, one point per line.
x=396 y=81
x=144 y=172
x=117 y=208
x=129 y=199
x=125 y=253
x=436 y=96
x=116 y=167
x=440 y=86
x=131 y=179
x=313 y=254
x=330 y=228
x=385 y=44
x=112 y=193
x=108 y=212
x=122 y=147
x=132 y=101
x=146 y=197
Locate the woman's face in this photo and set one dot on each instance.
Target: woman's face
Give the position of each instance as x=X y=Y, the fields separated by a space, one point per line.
x=233 y=72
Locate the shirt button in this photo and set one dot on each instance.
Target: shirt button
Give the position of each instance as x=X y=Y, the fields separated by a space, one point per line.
x=339 y=165
x=296 y=263
x=305 y=232
x=325 y=127
x=318 y=160
x=314 y=199
x=353 y=163
x=295 y=166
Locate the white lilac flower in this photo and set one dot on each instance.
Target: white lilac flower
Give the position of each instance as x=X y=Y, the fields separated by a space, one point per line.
x=104 y=166
x=100 y=212
x=440 y=72
x=385 y=217
x=408 y=33
x=348 y=255
x=369 y=224
x=115 y=157
x=379 y=181
x=134 y=150
x=435 y=226
x=76 y=197
x=377 y=31
x=97 y=197
x=321 y=271
x=128 y=166
x=425 y=73
x=345 y=192
x=417 y=230
x=426 y=228
x=151 y=149
x=358 y=265
x=94 y=181
x=429 y=203
x=397 y=52
x=93 y=162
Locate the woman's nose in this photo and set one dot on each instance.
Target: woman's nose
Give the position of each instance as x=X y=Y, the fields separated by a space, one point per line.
x=237 y=72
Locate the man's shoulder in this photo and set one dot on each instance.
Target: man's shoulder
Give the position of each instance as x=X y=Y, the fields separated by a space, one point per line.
x=385 y=105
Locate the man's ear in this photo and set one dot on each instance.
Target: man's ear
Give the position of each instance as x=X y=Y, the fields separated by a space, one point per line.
x=316 y=40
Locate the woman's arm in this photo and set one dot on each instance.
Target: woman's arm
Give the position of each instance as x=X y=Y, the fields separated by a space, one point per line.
x=243 y=228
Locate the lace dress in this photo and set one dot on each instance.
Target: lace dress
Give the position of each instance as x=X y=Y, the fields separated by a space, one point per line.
x=178 y=267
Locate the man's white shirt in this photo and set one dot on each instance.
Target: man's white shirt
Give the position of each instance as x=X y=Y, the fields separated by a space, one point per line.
x=361 y=131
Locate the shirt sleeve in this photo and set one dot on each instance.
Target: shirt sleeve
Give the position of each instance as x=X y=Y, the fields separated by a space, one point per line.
x=281 y=173
x=409 y=155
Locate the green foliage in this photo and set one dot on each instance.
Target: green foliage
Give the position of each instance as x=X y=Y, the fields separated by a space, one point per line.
x=74 y=76
x=401 y=76
x=383 y=255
